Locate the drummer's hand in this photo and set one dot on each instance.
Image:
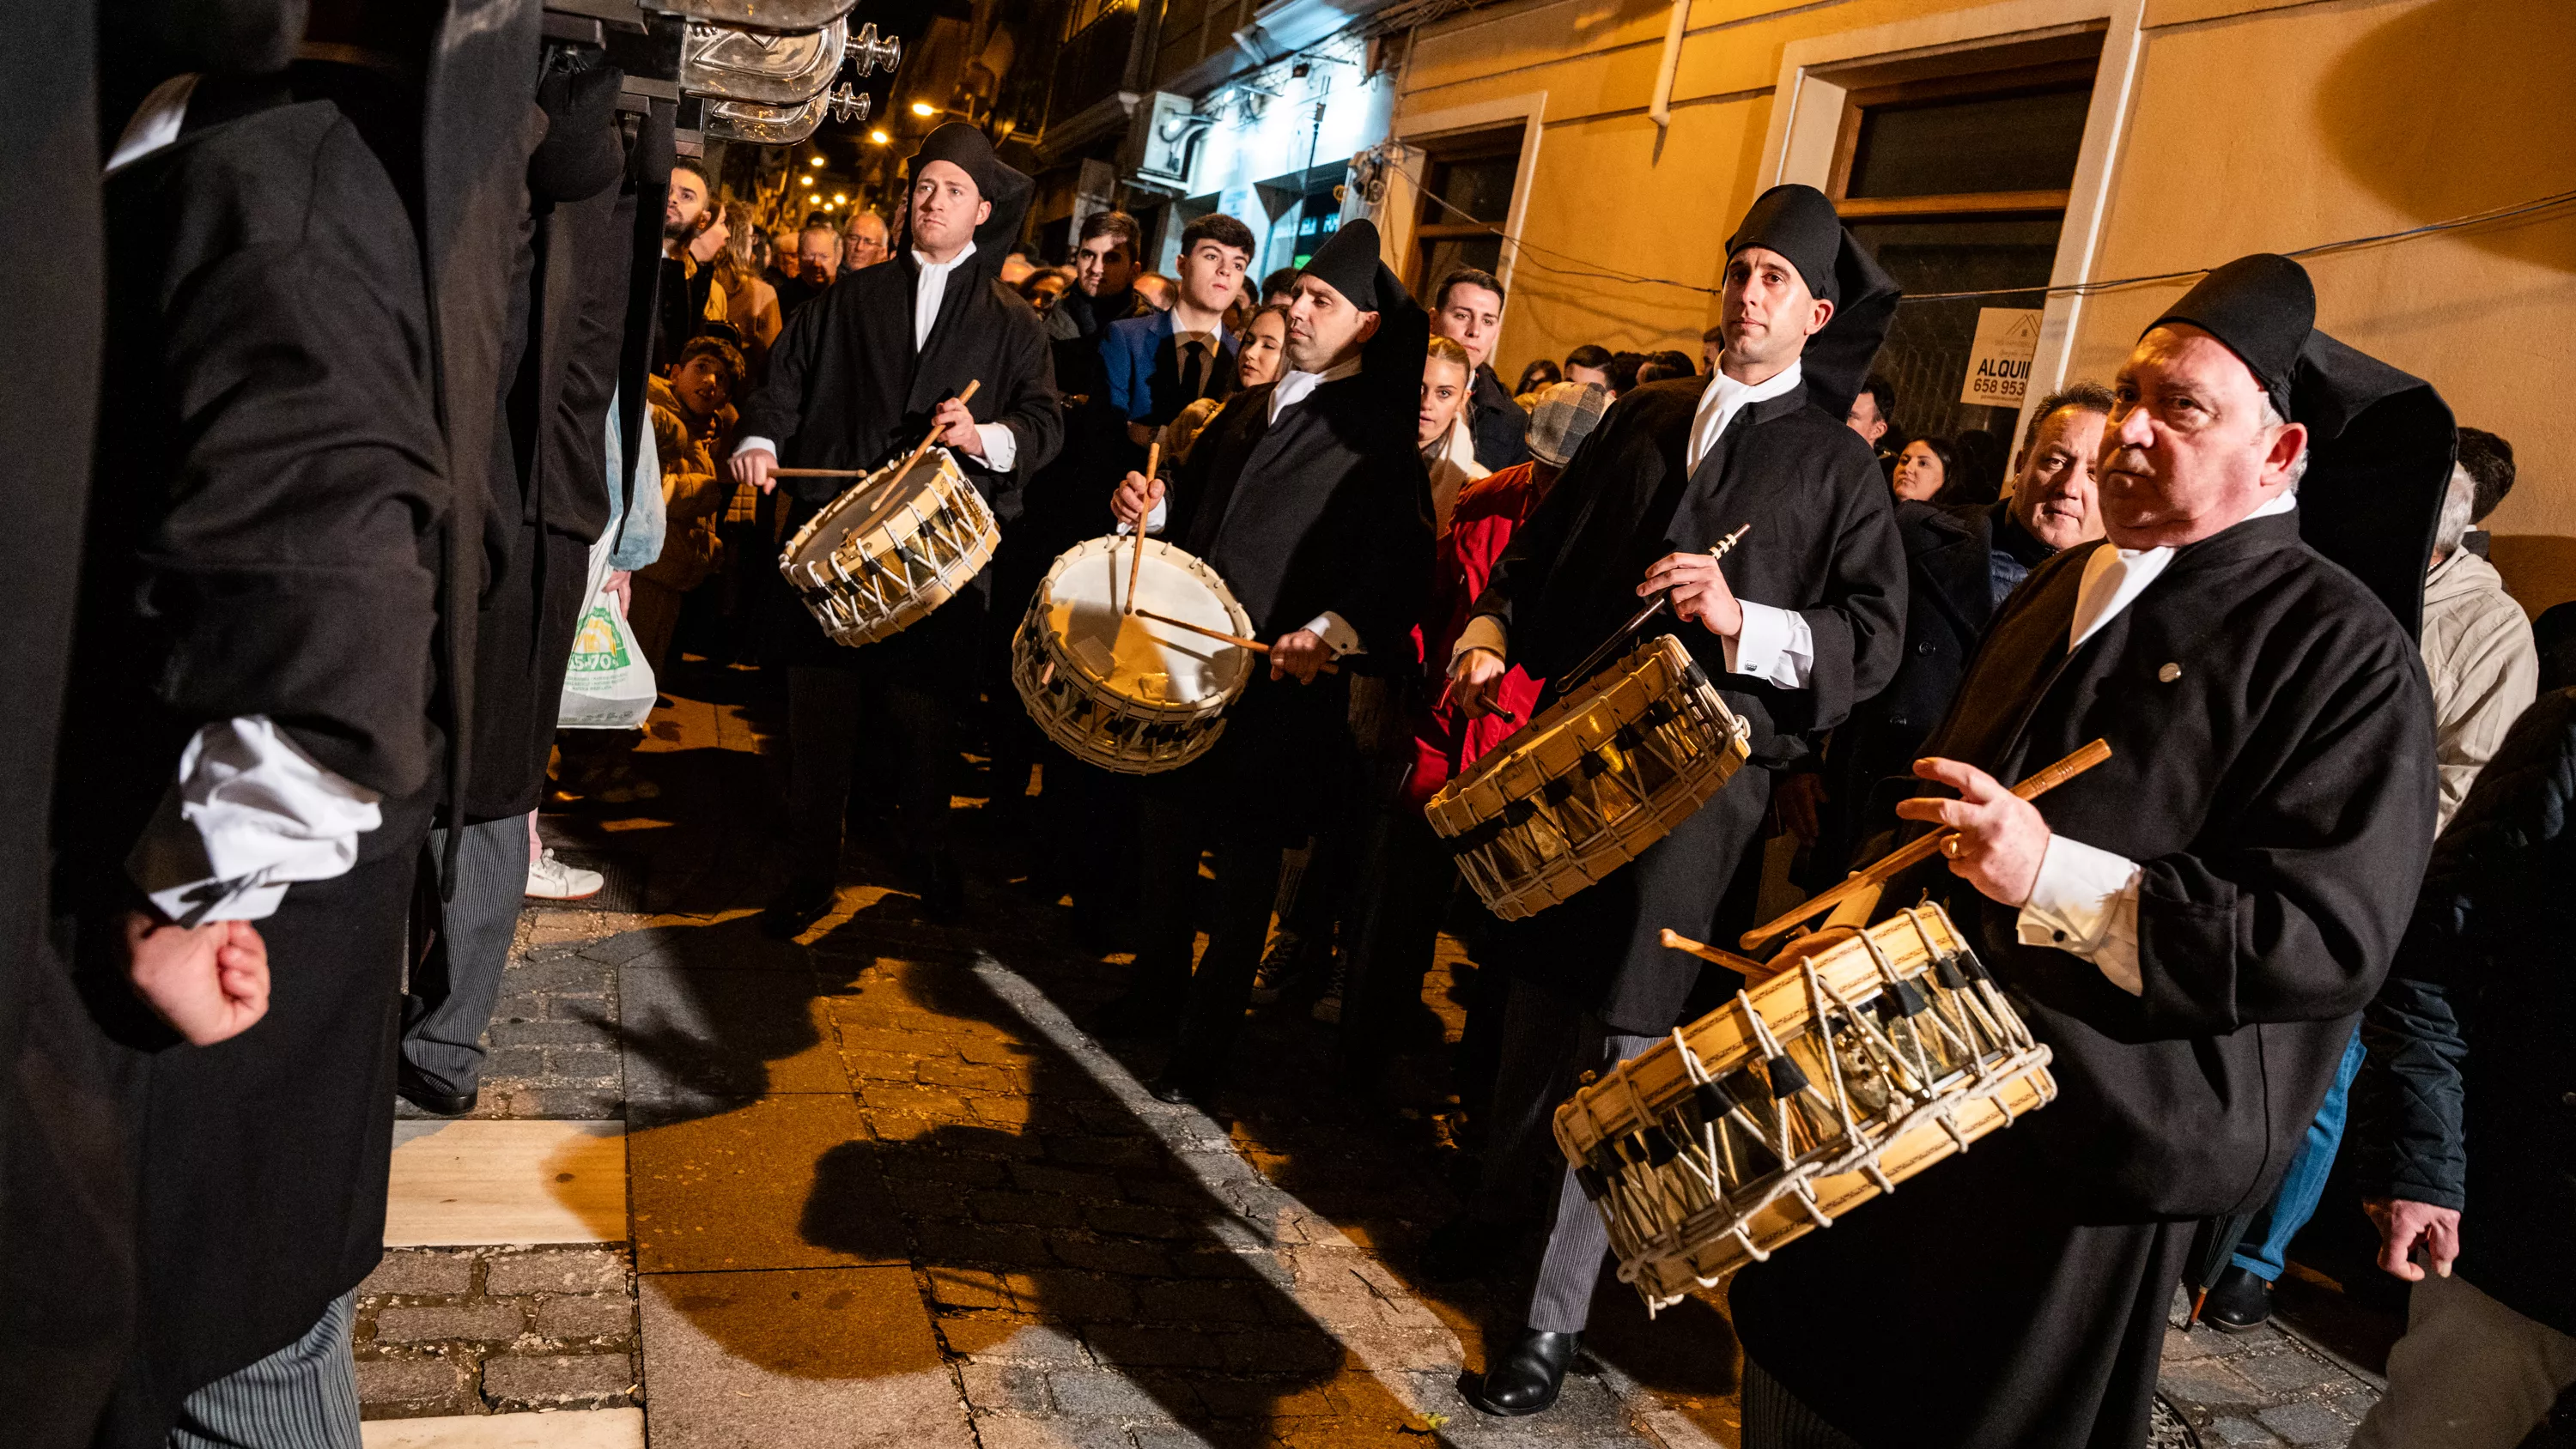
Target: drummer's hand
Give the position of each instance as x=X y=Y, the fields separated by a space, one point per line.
x=1472 y=677
x=755 y=466
x=209 y=982
x=1699 y=591
x=2002 y=837
x=1135 y=498
x=1303 y=654
x=2405 y=1225
x=957 y=428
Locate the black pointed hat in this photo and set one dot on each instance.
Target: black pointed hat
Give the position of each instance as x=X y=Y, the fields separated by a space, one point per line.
x=1799 y=223
x=2380 y=441
x=1349 y=261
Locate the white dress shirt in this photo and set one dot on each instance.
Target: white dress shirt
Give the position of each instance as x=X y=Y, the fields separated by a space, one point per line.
x=929 y=289
x=1292 y=389
x=1774 y=645
x=249 y=813
x=2085 y=901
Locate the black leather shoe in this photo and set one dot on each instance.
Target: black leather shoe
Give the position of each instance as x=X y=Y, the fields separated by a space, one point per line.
x=1463 y=1248
x=1528 y=1376
x=795 y=908
x=414 y=1088
x=2239 y=1302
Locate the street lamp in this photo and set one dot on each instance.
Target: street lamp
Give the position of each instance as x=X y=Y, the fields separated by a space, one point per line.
x=924 y=108
x=804 y=180
x=814 y=161
x=878 y=138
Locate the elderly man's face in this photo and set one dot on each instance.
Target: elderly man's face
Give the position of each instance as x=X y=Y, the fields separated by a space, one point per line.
x=2054 y=497
x=2186 y=451
x=819 y=253
x=863 y=241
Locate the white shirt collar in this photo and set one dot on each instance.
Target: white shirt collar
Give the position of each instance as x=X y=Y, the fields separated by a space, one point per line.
x=156 y=122
x=1294 y=386
x=1724 y=398
x=929 y=288
x=2114 y=577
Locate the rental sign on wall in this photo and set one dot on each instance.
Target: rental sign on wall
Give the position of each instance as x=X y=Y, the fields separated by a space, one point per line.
x=1999 y=359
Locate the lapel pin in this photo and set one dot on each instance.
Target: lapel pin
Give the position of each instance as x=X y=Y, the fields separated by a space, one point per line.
x=2169 y=673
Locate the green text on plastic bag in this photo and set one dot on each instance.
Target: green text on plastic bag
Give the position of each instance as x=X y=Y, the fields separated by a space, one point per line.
x=599 y=647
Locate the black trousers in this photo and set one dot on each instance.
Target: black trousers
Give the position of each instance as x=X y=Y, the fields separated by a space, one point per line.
x=911 y=724
x=1175 y=829
x=1405 y=878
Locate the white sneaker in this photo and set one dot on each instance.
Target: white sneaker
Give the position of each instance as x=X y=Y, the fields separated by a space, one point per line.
x=550 y=879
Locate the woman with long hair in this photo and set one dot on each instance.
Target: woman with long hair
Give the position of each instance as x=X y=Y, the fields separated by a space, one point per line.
x=1925 y=469
x=751 y=303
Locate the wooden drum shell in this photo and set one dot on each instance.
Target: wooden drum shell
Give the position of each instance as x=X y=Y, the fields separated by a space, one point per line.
x=918 y=551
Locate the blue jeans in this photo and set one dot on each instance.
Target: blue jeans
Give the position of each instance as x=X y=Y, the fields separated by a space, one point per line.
x=2267 y=1239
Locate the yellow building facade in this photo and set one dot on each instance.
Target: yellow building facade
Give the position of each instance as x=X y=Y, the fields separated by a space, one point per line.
x=1613 y=143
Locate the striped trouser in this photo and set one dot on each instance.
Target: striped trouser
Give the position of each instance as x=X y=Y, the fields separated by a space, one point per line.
x=304 y=1396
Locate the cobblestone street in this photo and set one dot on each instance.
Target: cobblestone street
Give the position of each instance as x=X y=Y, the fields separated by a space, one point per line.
x=881 y=1187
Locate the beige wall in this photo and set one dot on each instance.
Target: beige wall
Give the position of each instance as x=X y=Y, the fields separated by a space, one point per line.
x=2250 y=125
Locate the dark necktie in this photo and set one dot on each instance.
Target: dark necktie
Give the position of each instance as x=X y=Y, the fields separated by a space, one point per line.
x=1191 y=352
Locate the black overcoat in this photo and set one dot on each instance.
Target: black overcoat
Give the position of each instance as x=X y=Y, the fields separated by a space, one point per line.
x=2272 y=771
x=270 y=487
x=1823 y=543
x=847 y=389
x=2471 y=1103
x=1325 y=510
x=1497 y=421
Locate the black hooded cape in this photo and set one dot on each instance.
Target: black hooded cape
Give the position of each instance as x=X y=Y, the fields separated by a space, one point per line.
x=847 y=388
x=2272 y=773
x=1823 y=543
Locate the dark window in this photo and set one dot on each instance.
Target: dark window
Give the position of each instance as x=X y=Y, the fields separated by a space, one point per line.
x=1959 y=184
x=1979 y=144
x=1467 y=196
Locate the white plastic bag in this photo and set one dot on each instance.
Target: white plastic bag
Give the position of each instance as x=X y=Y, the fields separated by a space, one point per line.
x=607 y=686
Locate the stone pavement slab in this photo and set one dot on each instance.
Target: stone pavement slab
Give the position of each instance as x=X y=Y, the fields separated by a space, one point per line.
x=767 y=1183
x=782 y=1360
x=577 y=1429
x=699 y=1035
x=479 y=1181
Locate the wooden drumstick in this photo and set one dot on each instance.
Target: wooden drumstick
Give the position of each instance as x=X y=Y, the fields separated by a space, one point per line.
x=909 y=459
x=1728 y=959
x=1922 y=848
x=1136 y=565
x=1237 y=640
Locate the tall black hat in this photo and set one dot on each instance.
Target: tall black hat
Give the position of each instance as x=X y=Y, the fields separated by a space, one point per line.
x=2380 y=441
x=1799 y=223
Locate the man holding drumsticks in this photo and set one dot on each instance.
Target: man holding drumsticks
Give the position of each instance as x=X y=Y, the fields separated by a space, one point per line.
x=1307 y=497
x=2190 y=928
x=1805 y=620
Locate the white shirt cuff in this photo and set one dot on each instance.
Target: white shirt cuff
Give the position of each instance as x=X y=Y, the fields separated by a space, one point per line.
x=1485 y=631
x=2085 y=902
x=1337 y=633
x=750 y=443
x=1775 y=646
x=1155 y=520
x=1001 y=449
x=249 y=815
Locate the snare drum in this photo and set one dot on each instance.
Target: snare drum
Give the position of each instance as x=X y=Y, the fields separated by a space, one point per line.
x=1123 y=692
x=1584 y=788
x=877 y=560
x=1866 y=1058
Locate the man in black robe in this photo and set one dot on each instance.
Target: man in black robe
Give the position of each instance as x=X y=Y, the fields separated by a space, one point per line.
x=247 y=747
x=1307 y=496
x=856 y=379
x=2191 y=927
x=1804 y=623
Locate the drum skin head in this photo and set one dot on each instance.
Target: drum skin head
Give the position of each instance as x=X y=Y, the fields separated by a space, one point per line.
x=1121 y=691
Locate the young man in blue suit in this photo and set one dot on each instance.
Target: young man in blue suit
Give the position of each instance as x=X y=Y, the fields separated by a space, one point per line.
x=1161 y=362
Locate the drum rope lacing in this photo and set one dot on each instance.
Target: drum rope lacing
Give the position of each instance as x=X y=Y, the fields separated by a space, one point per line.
x=1655 y=1223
